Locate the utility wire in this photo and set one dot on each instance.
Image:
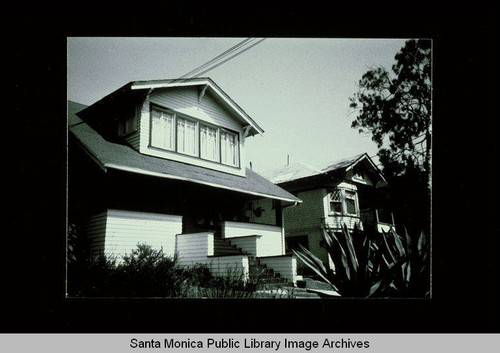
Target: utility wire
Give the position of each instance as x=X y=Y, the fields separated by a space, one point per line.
x=213 y=61
x=227 y=52
x=231 y=57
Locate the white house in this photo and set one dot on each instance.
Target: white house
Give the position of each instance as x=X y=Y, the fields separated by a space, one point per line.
x=163 y=163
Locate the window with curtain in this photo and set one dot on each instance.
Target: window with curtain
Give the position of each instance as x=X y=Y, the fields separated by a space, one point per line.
x=162 y=130
x=186 y=137
x=229 y=148
x=209 y=143
x=174 y=132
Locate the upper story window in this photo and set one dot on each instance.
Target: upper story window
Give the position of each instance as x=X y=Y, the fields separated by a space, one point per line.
x=229 y=148
x=186 y=136
x=127 y=125
x=209 y=143
x=343 y=202
x=175 y=132
x=162 y=130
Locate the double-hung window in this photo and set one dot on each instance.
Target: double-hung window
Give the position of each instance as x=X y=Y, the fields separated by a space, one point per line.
x=229 y=148
x=343 y=202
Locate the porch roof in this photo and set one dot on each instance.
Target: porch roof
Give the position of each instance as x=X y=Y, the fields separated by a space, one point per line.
x=109 y=155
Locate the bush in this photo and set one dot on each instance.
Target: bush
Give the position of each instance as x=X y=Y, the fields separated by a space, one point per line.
x=147 y=272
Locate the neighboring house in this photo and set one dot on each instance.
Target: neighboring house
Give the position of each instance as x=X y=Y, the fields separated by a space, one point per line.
x=351 y=192
x=162 y=163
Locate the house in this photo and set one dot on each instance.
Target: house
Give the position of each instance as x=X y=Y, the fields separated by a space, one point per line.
x=163 y=163
x=352 y=191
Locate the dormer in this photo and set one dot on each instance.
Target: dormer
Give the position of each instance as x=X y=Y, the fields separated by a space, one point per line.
x=190 y=121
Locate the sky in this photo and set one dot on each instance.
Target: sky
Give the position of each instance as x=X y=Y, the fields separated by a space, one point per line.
x=296 y=89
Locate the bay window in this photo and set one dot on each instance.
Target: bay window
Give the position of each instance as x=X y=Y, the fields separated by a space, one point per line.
x=343 y=202
x=174 y=132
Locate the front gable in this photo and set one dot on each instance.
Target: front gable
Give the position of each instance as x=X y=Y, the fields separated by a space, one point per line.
x=190 y=121
x=364 y=171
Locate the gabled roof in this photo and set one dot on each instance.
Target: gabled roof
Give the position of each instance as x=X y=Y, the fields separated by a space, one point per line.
x=130 y=89
x=73 y=109
x=298 y=171
x=290 y=172
x=109 y=155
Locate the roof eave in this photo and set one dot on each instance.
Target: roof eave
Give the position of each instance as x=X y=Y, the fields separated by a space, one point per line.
x=256 y=129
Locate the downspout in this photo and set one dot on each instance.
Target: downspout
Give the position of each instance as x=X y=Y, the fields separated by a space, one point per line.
x=283 y=226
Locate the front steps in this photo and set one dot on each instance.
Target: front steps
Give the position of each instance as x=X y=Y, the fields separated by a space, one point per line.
x=264 y=276
x=223 y=247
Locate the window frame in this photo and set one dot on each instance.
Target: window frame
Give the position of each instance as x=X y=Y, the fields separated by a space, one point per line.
x=127 y=126
x=174 y=126
x=343 y=191
x=197 y=151
x=237 y=149
x=199 y=123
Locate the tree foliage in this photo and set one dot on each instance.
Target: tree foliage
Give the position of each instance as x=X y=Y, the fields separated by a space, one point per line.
x=395 y=108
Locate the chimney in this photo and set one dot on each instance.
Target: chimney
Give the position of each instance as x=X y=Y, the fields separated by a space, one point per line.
x=287 y=159
x=251 y=166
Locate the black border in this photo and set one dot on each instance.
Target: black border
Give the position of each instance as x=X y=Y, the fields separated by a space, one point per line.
x=465 y=247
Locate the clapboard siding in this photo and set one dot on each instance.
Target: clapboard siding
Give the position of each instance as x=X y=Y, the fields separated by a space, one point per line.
x=197 y=248
x=126 y=229
x=194 y=248
x=269 y=243
x=134 y=139
x=96 y=231
x=185 y=100
x=247 y=244
x=336 y=222
x=236 y=266
x=286 y=266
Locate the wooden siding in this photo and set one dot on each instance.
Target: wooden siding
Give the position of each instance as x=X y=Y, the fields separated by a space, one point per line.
x=197 y=248
x=307 y=215
x=185 y=100
x=270 y=242
x=336 y=222
x=286 y=266
x=247 y=244
x=96 y=231
x=235 y=266
x=126 y=229
x=194 y=248
x=134 y=139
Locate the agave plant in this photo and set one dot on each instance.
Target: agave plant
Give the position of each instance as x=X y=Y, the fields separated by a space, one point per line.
x=405 y=265
x=368 y=265
x=355 y=273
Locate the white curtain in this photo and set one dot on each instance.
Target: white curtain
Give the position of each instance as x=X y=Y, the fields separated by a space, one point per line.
x=162 y=130
x=208 y=140
x=229 y=148
x=186 y=136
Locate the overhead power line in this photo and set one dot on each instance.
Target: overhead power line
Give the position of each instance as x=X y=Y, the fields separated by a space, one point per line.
x=220 y=56
x=238 y=49
x=231 y=57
